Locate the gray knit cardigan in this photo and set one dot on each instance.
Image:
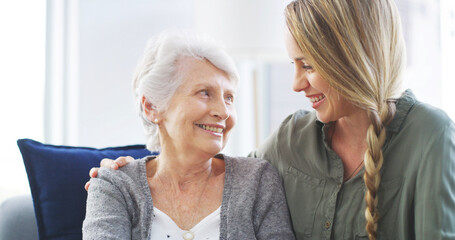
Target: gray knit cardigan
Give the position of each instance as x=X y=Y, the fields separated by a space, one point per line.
x=120 y=206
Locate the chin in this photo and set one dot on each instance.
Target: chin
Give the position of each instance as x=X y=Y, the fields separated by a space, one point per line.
x=322 y=119
x=214 y=148
x=326 y=117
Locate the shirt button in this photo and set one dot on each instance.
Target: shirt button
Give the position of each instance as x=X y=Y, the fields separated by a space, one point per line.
x=327 y=225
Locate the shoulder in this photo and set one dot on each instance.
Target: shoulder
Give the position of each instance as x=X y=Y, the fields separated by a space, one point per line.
x=428 y=135
x=119 y=198
x=239 y=163
x=250 y=169
x=126 y=177
x=294 y=127
x=288 y=141
x=297 y=127
x=426 y=114
x=129 y=170
x=249 y=177
x=301 y=119
x=128 y=185
x=427 y=121
x=413 y=117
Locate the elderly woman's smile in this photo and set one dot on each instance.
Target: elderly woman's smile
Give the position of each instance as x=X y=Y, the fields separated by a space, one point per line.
x=215 y=129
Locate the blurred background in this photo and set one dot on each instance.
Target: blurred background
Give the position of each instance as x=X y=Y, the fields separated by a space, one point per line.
x=66 y=67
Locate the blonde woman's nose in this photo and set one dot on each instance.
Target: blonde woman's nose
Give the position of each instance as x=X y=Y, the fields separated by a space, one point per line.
x=300 y=82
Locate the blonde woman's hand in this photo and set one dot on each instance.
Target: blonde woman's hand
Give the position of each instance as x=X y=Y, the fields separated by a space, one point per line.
x=108 y=163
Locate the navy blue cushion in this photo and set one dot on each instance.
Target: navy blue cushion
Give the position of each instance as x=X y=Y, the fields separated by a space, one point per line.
x=57 y=175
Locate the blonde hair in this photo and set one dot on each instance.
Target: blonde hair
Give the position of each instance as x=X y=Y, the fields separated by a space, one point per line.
x=357 y=46
x=157 y=73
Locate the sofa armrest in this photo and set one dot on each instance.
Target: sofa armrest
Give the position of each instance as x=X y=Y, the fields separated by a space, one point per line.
x=17 y=219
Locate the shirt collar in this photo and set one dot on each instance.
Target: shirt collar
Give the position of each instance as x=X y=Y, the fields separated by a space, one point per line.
x=403 y=106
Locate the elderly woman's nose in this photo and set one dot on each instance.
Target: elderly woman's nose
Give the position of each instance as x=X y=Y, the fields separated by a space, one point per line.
x=220 y=109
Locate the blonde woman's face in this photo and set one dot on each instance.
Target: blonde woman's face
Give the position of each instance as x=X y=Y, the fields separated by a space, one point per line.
x=328 y=103
x=201 y=113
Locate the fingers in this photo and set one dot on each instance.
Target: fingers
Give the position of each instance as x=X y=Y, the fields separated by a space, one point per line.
x=106 y=162
x=93 y=172
x=122 y=161
x=117 y=163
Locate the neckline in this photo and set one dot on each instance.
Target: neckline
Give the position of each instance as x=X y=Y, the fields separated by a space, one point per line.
x=227 y=188
x=196 y=227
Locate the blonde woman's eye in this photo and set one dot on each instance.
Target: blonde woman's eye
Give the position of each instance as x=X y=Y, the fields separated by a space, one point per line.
x=307 y=67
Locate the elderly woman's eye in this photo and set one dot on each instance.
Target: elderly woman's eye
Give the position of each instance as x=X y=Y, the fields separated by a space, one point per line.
x=230 y=98
x=204 y=92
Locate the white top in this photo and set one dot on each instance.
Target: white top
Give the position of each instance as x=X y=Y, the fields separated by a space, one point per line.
x=164 y=227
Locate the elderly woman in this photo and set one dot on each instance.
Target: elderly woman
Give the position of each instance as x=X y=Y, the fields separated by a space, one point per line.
x=185 y=90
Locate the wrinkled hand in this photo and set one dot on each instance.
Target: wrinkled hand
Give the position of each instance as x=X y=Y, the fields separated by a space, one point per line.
x=108 y=163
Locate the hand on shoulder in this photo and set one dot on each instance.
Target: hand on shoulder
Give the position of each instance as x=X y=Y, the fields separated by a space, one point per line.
x=108 y=163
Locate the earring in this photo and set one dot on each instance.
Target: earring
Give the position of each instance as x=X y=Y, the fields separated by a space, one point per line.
x=155 y=120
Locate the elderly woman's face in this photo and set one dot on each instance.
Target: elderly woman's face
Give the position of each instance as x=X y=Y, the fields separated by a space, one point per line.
x=201 y=113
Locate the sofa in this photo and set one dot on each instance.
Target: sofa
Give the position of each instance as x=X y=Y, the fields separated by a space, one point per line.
x=55 y=209
x=17 y=219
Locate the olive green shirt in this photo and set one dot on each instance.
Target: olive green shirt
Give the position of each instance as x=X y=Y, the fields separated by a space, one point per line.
x=417 y=190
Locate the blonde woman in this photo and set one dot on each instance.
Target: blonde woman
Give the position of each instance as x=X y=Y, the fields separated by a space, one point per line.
x=371 y=161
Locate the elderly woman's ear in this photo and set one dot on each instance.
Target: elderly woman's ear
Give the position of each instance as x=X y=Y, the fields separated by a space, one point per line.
x=150 y=111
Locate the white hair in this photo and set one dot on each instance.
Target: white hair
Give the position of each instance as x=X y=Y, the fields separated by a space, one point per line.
x=157 y=77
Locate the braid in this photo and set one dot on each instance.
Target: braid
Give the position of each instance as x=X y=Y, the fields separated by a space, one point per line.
x=373 y=161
